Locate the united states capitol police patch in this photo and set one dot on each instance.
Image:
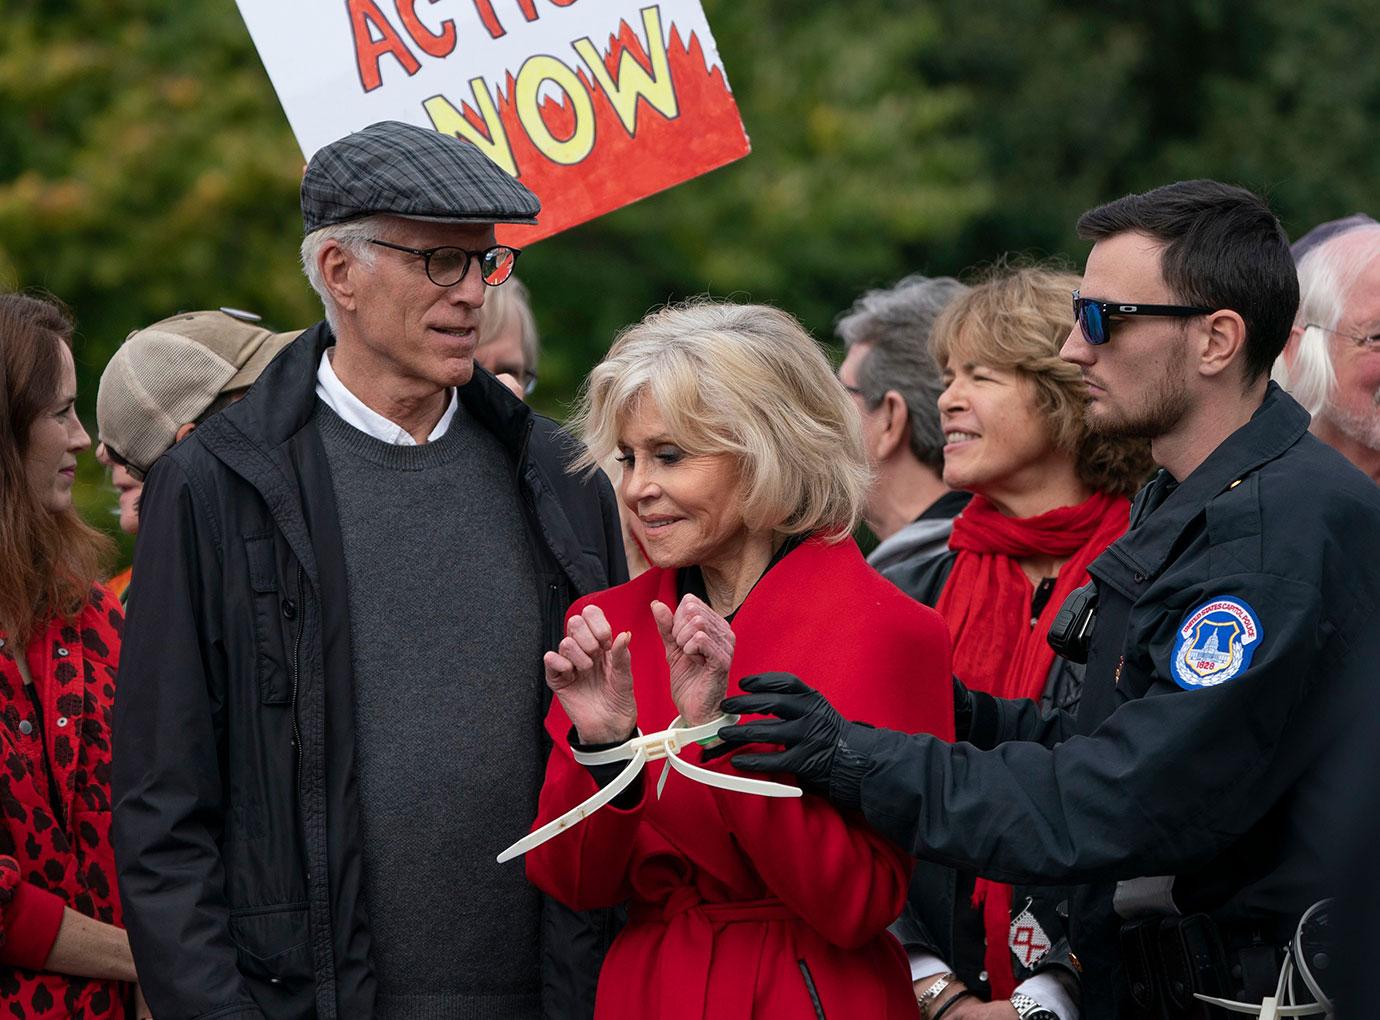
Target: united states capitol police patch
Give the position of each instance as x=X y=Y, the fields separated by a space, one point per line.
x=1214 y=643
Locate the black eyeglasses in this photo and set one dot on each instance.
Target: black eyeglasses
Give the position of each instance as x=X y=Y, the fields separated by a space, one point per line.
x=446 y=266
x=1092 y=315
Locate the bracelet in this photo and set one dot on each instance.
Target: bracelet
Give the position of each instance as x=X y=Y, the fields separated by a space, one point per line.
x=933 y=992
x=965 y=994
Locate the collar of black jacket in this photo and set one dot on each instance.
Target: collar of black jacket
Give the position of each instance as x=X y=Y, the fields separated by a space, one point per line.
x=283 y=400
x=1277 y=425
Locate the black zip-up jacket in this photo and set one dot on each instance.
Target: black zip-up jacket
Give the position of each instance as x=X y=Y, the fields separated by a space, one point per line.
x=236 y=815
x=1191 y=762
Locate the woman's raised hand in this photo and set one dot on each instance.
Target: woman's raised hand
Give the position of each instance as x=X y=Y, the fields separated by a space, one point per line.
x=591 y=672
x=699 y=650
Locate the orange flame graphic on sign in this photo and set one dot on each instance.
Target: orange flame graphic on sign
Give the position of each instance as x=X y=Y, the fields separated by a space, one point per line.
x=706 y=133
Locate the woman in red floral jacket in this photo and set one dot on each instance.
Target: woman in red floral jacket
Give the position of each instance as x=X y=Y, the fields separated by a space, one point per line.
x=62 y=951
x=742 y=457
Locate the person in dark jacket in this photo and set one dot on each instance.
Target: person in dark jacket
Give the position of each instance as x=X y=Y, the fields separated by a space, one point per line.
x=1048 y=496
x=332 y=698
x=1232 y=635
x=891 y=375
x=164 y=381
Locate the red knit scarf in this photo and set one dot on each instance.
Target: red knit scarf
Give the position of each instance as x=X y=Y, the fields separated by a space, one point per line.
x=986 y=602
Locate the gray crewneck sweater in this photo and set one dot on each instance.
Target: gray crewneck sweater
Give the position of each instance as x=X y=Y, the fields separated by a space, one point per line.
x=445 y=628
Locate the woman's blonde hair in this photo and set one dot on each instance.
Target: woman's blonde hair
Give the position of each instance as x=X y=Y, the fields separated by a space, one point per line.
x=747 y=380
x=1017 y=319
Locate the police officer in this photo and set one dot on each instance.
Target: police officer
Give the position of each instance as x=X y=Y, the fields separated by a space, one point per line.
x=1231 y=630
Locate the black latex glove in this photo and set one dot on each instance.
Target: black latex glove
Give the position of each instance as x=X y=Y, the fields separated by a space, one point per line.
x=963 y=710
x=814 y=737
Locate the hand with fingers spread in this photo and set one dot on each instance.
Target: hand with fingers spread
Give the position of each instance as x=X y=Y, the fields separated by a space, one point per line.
x=809 y=729
x=591 y=673
x=699 y=651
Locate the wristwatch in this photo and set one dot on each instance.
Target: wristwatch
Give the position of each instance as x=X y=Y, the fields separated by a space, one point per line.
x=1028 y=1009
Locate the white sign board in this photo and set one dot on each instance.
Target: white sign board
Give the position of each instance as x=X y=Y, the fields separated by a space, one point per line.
x=591 y=103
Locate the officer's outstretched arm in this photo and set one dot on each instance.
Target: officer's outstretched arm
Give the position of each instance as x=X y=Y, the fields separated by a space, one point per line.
x=985 y=720
x=1166 y=782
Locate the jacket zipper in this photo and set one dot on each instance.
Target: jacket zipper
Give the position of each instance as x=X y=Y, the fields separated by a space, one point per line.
x=811 y=989
x=296 y=657
x=522 y=450
x=523 y=490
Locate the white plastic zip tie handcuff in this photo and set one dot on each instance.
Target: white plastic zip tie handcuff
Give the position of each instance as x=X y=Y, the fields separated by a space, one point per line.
x=1281 y=1004
x=1284 y=1002
x=637 y=752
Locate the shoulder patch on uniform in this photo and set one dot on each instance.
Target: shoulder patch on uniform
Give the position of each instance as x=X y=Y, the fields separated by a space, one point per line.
x=1027 y=940
x=1214 y=643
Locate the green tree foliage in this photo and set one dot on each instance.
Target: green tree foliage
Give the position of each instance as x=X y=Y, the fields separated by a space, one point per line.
x=146 y=166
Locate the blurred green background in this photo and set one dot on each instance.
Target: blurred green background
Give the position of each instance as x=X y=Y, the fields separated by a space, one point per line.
x=146 y=166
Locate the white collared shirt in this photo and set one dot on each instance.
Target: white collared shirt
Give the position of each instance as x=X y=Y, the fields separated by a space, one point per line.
x=357 y=414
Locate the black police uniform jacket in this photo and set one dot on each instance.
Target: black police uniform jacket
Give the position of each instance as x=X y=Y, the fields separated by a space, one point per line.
x=1220 y=785
x=236 y=813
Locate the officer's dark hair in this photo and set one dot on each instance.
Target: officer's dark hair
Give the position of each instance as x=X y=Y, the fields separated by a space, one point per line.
x=1224 y=249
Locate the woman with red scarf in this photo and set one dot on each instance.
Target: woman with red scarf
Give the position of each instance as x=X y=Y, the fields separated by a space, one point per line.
x=742 y=457
x=63 y=951
x=1048 y=498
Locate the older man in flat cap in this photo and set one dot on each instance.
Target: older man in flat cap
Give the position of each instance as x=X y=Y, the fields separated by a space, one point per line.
x=331 y=699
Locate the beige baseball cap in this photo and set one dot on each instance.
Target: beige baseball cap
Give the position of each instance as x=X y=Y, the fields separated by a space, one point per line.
x=168 y=374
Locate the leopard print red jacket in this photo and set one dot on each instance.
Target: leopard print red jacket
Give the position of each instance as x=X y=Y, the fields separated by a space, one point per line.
x=55 y=799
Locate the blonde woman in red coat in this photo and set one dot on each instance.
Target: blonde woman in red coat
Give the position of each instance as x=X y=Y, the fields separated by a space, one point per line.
x=742 y=459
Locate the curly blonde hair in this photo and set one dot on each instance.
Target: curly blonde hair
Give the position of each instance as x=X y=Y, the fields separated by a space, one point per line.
x=1017 y=319
x=747 y=380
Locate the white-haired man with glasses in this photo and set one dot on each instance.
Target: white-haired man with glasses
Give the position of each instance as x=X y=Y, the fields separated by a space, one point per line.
x=338 y=633
x=1331 y=364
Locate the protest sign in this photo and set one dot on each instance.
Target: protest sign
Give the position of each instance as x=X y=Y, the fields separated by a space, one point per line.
x=591 y=103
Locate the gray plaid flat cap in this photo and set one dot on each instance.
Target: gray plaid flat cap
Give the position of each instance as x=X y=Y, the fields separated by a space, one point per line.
x=403 y=170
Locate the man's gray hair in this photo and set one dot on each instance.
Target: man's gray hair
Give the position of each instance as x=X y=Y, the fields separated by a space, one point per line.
x=895 y=322
x=1327 y=274
x=353 y=236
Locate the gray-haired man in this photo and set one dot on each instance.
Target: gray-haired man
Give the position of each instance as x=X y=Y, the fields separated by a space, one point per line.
x=337 y=637
x=1331 y=364
x=892 y=375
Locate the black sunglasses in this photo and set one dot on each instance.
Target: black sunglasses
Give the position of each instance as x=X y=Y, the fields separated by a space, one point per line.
x=446 y=266
x=1092 y=315
x=115 y=457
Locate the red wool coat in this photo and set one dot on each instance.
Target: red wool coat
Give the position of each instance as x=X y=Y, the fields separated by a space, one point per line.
x=739 y=903
x=47 y=862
